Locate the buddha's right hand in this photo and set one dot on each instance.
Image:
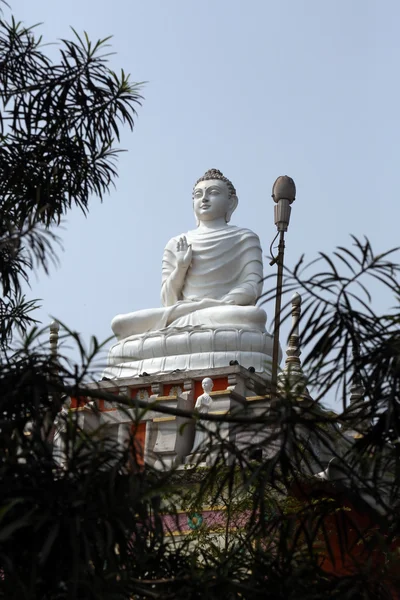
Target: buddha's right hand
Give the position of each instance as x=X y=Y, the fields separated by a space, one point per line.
x=183 y=253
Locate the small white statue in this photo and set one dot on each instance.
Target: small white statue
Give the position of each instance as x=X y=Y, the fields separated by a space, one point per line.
x=204 y=401
x=203 y=404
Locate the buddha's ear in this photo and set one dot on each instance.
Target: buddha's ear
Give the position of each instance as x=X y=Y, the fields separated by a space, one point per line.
x=233 y=202
x=197 y=221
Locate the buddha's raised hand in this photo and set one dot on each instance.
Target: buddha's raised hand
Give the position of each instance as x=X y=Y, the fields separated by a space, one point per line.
x=183 y=253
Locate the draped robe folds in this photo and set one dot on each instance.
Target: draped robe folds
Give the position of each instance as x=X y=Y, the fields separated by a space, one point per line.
x=225 y=263
x=226 y=267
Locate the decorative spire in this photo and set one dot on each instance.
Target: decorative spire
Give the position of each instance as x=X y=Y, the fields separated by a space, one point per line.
x=54 y=368
x=357 y=388
x=54 y=329
x=357 y=407
x=292 y=372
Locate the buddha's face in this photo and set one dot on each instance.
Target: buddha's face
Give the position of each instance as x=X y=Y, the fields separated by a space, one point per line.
x=211 y=200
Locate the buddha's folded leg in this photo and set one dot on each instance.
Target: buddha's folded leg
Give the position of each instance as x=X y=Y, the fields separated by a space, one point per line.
x=154 y=319
x=185 y=314
x=246 y=317
x=138 y=322
x=241 y=317
x=184 y=309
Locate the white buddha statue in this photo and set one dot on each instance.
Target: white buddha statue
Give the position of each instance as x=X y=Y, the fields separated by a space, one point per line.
x=211 y=280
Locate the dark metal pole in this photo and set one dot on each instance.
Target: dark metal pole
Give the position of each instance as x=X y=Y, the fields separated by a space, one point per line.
x=277 y=320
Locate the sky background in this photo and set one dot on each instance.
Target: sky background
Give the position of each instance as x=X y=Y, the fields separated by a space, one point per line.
x=256 y=88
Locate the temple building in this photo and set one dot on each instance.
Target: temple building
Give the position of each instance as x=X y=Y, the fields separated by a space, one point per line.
x=193 y=369
x=205 y=350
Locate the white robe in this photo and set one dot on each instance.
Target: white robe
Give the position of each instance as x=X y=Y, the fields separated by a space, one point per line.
x=226 y=265
x=226 y=261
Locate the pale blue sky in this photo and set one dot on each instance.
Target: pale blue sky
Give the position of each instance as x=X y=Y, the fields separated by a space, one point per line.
x=256 y=88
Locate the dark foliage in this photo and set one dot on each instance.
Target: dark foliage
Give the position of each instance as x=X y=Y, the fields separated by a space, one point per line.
x=93 y=526
x=59 y=123
x=88 y=523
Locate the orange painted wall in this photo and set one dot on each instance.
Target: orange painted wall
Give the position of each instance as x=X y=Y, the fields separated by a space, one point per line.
x=138 y=431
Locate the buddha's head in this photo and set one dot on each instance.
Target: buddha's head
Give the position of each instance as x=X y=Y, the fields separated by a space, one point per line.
x=214 y=197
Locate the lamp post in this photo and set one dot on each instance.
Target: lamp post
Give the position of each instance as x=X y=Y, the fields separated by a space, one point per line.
x=283 y=194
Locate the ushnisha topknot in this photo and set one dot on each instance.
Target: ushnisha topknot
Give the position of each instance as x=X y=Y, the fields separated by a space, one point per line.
x=216 y=174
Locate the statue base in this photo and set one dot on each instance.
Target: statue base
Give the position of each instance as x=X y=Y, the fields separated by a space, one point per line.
x=187 y=349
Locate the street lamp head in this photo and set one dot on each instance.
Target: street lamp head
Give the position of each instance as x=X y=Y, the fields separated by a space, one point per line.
x=284 y=188
x=283 y=194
